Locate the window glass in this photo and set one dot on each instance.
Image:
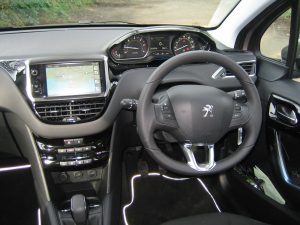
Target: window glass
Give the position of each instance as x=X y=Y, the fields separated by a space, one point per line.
x=20 y=13
x=275 y=40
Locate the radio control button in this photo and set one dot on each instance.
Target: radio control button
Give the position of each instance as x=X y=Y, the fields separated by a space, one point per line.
x=70 y=150
x=80 y=162
x=87 y=161
x=77 y=174
x=78 y=141
x=61 y=150
x=71 y=163
x=68 y=142
x=92 y=173
x=63 y=163
x=78 y=149
x=87 y=148
x=63 y=177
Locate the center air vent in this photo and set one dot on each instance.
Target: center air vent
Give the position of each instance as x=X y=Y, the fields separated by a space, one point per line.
x=249 y=67
x=69 y=111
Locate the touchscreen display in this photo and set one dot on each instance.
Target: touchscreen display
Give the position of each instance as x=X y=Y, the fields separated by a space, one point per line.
x=73 y=79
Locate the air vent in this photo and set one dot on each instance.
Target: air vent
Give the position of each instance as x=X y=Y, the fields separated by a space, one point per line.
x=69 y=111
x=249 y=67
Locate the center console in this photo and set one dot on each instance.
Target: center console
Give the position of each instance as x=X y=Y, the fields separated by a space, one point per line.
x=63 y=93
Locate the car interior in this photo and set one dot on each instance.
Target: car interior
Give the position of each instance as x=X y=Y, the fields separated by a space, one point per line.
x=122 y=123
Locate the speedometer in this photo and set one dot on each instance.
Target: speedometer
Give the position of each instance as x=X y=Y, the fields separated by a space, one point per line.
x=135 y=47
x=184 y=43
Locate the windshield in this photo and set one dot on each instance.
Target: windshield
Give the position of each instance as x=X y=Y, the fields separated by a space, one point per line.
x=204 y=13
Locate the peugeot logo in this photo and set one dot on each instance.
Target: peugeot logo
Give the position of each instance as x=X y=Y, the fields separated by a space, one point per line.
x=208 y=111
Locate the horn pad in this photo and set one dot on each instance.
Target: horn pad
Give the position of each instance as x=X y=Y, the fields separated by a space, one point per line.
x=203 y=113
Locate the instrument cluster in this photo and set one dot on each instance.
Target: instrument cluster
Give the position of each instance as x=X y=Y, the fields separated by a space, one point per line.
x=146 y=47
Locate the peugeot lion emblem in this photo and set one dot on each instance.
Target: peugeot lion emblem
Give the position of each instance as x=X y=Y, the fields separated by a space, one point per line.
x=208 y=109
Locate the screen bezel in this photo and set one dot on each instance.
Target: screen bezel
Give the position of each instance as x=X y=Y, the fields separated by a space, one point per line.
x=104 y=79
x=101 y=74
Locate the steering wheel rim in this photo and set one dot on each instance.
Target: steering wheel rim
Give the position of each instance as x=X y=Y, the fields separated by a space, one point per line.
x=146 y=113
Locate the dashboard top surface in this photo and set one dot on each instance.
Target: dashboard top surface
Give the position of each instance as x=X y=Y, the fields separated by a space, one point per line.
x=69 y=44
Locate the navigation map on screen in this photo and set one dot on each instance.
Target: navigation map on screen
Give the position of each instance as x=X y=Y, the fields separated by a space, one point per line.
x=73 y=79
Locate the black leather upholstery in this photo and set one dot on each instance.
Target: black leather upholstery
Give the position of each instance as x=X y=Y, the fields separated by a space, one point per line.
x=215 y=219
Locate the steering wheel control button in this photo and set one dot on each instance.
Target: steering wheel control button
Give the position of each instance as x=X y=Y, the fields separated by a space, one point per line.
x=168 y=116
x=237 y=107
x=164 y=112
x=237 y=115
x=165 y=107
x=239 y=94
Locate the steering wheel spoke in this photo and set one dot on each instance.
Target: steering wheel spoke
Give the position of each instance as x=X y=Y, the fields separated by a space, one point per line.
x=240 y=115
x=189 y=150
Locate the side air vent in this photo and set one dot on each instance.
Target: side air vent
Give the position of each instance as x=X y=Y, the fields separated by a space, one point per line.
x=249 y=67
x=69 y=111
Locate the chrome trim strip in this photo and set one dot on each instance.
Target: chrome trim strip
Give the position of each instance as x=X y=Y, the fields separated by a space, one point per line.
x=67 y=61
x=282 y=165
x=132 y=198
x=39 y=218
x=217 y=72
x=133 y=178
x=211 y=196
x=191 y=160
x=240 y=136
x=14 y=168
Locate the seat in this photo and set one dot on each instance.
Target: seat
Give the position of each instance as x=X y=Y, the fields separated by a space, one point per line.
x=215 y=219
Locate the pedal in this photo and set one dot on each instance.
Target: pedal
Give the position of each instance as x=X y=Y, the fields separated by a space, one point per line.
x=143 y=168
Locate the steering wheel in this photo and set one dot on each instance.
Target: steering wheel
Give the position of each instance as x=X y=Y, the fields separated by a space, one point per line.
x=198 y=115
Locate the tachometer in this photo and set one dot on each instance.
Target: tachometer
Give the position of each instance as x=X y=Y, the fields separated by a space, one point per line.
x=184 y=43
x=135 y=47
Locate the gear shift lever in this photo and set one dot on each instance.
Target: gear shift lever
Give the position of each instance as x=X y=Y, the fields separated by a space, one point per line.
x=79 y=209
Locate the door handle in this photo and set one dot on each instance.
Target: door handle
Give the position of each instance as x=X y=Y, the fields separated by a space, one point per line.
x=286 y=114
x=284 y=111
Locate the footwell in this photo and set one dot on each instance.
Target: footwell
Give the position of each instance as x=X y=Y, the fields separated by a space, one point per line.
x=157 y=198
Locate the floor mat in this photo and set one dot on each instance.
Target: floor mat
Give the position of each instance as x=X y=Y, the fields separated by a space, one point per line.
x=156 y=199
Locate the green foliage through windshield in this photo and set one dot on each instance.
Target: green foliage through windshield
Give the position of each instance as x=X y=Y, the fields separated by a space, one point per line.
x=20 y=13
x=34 y=12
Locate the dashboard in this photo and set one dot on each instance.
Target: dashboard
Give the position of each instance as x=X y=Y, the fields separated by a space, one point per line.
x=75 y=87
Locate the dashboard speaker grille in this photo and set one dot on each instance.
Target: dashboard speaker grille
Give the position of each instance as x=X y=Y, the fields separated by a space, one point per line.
x=69 y=111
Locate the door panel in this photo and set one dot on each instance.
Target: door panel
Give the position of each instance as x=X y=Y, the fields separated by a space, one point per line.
x=281 y=101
